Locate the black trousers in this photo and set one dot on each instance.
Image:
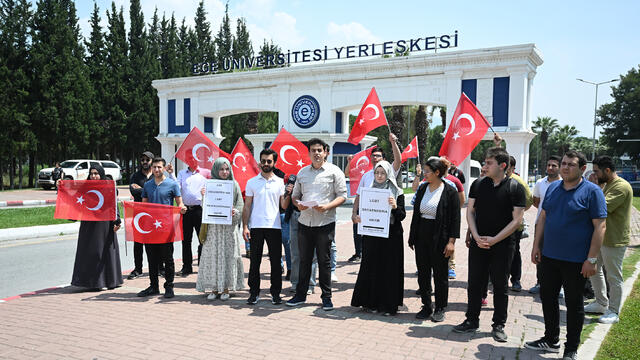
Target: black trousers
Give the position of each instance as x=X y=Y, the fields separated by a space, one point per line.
x=316 y=239
x=191 y=220
x=553 y=275
x=516 y=263
x=429 y=260
x=495 y=261
x=158 y=254
x=138 y=248
x=357 y=241
x=273 y=238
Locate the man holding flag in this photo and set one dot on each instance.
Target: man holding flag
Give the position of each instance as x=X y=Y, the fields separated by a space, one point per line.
x=161 y=190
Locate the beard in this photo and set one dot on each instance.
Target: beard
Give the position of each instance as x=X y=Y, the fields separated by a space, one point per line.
x=266 y=168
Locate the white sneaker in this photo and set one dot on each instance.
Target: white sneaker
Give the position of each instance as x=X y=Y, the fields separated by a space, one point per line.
x=224 y=296
x=212 y=296
x=334 y=277
x=595 y=308
x=609 y=317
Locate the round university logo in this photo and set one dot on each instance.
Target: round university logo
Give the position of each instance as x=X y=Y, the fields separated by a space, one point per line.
x=305 y=111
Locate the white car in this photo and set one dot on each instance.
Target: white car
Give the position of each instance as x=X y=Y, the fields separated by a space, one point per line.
x=78 y=170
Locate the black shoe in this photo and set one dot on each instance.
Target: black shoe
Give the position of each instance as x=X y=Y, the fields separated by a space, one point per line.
x=498 y=333
x=419 y=292
x=253 y=299
x=543 y=345
x=438 y=315
x=570 y=355
x=516 y=286
x=276 y=300
x=134 y=274
x=184 y=273
x=355 y=258
x=465 y=327
x=161 y=272
x=424 y=313
x=148 y=292
x=295 y=301
x=168 y=293
x=288 y=276
x=327 y=305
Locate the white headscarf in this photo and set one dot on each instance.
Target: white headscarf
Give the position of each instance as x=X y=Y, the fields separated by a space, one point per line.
x=390 y=183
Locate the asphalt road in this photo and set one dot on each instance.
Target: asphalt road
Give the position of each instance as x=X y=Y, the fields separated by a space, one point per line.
x=34 y=264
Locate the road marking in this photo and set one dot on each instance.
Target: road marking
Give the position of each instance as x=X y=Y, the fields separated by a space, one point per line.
x=37 y=242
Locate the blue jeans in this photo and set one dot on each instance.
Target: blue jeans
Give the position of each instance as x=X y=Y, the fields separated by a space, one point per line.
x=285 y=242
x=295 y=254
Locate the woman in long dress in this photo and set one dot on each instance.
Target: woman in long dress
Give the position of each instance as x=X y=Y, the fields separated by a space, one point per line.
x=97 y=263
x=380 y=283
x=220 y=269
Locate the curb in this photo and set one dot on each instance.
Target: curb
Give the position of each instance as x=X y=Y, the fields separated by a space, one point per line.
x=12 y=203
x=42 y=231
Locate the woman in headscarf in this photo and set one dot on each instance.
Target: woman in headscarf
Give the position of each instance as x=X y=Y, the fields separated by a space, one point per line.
x=220 y=269
x=435 y=226
x=97 y=264
x=380 y=283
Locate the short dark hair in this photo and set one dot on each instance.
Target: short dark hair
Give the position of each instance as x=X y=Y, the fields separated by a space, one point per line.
x=555 y=158
x=378 y=150
x=158 y=159
x=512 y=161
x=501 y=155
x=316 y=141
x=604 y=161
x=582 y=160
x=435 y=164
x=269 y=151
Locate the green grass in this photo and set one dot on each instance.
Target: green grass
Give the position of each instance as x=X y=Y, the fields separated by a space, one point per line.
x=408 y=190
x=588 y=328
x=636 y=202
x=622 y=340
x=629 y=263
x=12 y=218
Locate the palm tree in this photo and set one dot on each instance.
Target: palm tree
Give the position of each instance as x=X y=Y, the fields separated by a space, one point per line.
x=422 y=129
x=544 y=126
x=565 y=137
x=396 y=123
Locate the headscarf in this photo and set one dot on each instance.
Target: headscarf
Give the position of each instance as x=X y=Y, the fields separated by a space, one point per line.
x=217 y=165
x=100 y=170
x=390 y=183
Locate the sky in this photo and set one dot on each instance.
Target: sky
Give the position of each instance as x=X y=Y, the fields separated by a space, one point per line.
x=592 y=40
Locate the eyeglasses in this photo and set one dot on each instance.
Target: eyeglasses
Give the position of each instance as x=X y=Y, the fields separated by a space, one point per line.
x=265 y=161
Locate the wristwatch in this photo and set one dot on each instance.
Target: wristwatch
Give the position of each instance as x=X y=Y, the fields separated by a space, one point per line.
x=592 y=261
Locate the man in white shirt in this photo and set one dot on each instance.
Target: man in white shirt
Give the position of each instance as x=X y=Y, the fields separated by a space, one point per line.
x=191 y=182
x=539 y=190
x=265 y=193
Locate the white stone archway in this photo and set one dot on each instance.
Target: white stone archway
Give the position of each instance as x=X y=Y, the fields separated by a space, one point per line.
x=499 y=80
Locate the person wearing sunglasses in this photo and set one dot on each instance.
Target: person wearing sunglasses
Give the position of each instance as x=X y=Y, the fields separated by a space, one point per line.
x=136 y=183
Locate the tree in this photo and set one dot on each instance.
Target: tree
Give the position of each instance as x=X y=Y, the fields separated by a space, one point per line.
x=96 y=62
x=544 y=126
x=241 y=42
x=270 y=49
x=421 y=125
x=168 y=43
x=205 y=50
x=224 y=42
x=563 y=139
x=620 y=117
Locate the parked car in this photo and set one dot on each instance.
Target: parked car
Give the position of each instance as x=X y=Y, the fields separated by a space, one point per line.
x=78 y=170
x=474 y=172
x=407 y=176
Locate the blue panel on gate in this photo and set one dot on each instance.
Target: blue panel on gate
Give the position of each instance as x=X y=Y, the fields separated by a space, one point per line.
x=171 y=115
x=501 y=101
x=338 y=122
x=208 y=124
x=346 y=148
x=470 y=87
x=171 y=110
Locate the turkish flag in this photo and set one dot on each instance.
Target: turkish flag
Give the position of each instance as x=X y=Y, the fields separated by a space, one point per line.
x=360 y=164
x=244 y=165
x=150 y=223
x=293 y=155
x=411 y=150
x=88 y=200
x=198 y=150
x=370 y=117
x=468 y=126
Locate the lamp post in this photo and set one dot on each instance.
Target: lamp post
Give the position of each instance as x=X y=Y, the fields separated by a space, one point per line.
x=595 y=110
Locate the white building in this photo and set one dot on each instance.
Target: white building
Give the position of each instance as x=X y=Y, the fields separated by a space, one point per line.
x=499 y=80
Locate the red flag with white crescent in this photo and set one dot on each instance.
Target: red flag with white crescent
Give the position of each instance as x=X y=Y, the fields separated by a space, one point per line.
x=197 y=150
x=411 y=151
x=371 y=116
x=244 y=165
x=293 y=155
x=88 y=200
x=468 y=126
x=360 y=164
x=150 y=223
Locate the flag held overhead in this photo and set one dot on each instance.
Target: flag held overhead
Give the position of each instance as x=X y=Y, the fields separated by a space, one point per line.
x=371 y=116
x=197 y=150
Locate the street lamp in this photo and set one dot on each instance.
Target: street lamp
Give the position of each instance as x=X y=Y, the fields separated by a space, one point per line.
x=595 y=109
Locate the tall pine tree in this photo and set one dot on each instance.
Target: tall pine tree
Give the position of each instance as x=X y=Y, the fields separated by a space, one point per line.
x=205 y=50
x=96 y=62
x=224 y=42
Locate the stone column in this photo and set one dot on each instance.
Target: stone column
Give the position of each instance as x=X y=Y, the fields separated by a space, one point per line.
x=518 y=79
x=454 y=89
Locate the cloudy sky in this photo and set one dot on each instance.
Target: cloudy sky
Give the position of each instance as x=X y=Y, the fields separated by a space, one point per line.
x=592 y=40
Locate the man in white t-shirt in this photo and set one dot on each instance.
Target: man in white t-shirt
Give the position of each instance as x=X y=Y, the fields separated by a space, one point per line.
x=365 y=181
x=539 y=190
x=265 y=193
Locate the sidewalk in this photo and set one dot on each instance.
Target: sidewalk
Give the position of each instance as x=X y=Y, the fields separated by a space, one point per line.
x=39 y=196
x=66 y=323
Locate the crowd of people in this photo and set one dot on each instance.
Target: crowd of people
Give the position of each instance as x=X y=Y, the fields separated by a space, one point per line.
x=580 y=233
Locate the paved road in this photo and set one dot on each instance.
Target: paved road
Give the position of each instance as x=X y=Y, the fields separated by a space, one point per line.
x=41 y=194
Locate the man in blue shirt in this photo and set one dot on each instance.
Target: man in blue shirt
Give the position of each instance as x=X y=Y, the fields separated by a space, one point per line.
x=161 y=190
x=572 y=222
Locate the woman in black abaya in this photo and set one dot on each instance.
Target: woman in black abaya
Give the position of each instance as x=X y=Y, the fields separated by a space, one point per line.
x=380 y=283
x=97 y=262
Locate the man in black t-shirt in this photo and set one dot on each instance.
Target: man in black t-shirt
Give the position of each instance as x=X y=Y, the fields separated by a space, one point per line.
x=495 y=210
x=136 y=183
